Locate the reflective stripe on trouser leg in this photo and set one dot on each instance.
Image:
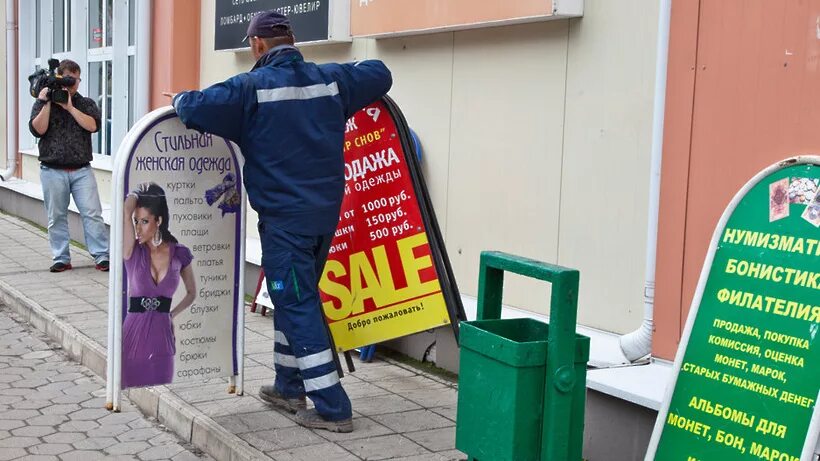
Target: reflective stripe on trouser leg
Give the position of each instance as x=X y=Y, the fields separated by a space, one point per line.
x=319 y=360
x=280 y=338
x=315 y=360
x=290 y=267
x=282 y=354
x=284 y=359
x=322 y=382
x=288 y=380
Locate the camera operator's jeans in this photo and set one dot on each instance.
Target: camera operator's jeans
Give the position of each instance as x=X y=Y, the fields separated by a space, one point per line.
x=58 y=187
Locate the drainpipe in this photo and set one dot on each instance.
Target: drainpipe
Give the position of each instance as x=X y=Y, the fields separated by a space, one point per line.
x=639 y=343
x=11 y=91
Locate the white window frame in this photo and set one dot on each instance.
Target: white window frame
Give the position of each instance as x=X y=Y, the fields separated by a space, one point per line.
x=79 y=51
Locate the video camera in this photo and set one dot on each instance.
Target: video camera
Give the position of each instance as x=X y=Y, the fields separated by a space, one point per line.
x=52 y=80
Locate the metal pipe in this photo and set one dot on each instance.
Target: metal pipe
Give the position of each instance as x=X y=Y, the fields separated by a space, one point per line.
x=113 y=273
x=240 y=315
x=639 y=343
x=116 y=271
x=11 y=90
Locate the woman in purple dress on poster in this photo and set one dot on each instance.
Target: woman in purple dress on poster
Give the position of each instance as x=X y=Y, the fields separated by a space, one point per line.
x=155 y=263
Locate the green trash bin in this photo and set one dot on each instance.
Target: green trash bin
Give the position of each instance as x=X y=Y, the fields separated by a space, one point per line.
x=505 y=375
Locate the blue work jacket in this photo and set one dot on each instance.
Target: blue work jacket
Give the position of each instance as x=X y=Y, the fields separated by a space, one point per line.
x=288 y=117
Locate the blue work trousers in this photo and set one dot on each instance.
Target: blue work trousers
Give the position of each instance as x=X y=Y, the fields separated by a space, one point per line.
x=303 y=359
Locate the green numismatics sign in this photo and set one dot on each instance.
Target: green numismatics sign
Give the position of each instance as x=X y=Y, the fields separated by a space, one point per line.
x=747 y=372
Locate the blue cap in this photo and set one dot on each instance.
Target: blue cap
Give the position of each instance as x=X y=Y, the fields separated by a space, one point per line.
x=268 y=24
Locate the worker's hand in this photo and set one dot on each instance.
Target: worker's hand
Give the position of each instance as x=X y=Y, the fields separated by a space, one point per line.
x=170 y=95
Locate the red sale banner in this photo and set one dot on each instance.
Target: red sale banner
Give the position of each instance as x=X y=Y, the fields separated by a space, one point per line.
x=387 y=274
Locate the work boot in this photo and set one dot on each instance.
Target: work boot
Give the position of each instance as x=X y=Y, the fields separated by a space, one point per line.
x=269 y=394
x=312 y=419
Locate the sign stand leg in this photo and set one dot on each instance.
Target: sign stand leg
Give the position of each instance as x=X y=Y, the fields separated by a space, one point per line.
x=109 y=366
x=333 y=348
x=258 y=289
x=349 y=359
x=115 y=303
x=117 y=351
x=239 y=381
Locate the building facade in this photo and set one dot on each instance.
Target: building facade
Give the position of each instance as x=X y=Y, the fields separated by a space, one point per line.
x=537 y=122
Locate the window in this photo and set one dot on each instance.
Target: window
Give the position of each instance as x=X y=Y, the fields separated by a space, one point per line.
x=62 y=26
x=101 y=36
x=97 y=92
x=132 y=62
x=100 y=55
x=132 y=23
x=100 y=13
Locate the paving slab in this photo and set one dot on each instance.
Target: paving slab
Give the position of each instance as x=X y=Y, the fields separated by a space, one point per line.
x=38 y=433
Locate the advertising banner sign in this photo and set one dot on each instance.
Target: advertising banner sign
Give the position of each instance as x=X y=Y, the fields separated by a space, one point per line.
x=179 y=252
x=380 y=18
x=746 y=374
x=387 y=274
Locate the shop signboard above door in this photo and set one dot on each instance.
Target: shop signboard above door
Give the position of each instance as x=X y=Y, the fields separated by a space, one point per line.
x=313 y=21
x=383 y=18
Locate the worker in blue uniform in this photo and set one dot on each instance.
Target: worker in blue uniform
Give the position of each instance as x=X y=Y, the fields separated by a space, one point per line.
x=288 y=117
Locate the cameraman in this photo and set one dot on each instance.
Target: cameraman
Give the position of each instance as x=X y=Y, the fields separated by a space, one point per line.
x=65 y=158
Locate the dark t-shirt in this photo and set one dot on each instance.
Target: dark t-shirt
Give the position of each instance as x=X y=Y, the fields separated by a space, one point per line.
x=65 y=144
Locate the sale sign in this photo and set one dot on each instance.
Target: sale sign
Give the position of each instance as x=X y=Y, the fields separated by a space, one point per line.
x=386 y=275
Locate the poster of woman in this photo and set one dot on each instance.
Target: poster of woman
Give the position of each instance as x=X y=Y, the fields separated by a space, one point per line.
x=156 y=263
x=176 y=283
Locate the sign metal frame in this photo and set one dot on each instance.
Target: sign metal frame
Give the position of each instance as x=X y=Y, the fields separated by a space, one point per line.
x=441 y=260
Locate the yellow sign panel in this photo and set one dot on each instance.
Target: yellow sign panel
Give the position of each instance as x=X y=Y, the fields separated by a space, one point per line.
x=370 y=306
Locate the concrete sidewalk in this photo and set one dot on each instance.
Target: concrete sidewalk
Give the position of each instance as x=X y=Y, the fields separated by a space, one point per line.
x=399 y=412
